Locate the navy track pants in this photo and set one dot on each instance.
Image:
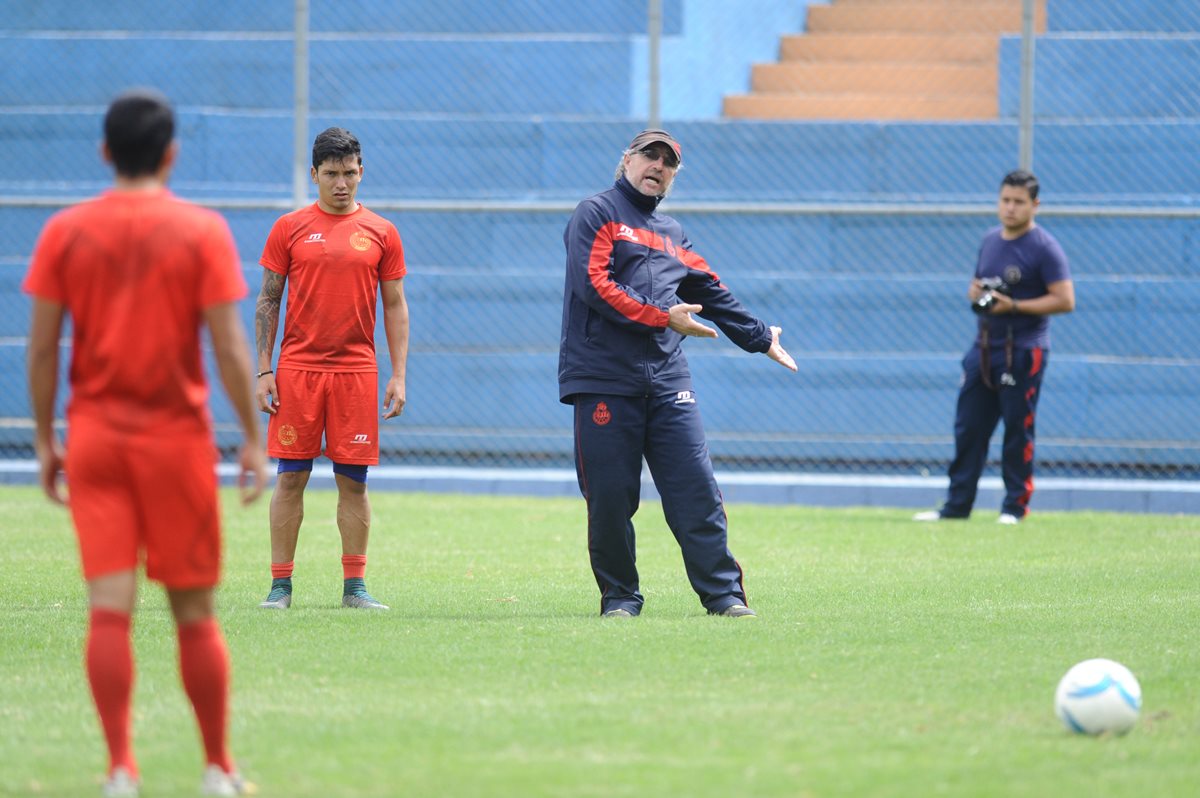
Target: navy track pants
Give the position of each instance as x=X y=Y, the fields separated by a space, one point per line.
x=612 y=435
x=980 y=409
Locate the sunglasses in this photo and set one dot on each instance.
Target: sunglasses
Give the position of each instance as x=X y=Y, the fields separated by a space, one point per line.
x=669 y=158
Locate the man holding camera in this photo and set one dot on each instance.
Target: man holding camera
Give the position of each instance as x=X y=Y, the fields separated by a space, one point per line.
x=1021 y=278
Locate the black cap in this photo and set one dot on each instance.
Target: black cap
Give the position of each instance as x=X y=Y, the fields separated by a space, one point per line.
x=647 y=137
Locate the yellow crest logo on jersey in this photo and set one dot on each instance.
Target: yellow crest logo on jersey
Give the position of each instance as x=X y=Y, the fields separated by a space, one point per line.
x=360 y=241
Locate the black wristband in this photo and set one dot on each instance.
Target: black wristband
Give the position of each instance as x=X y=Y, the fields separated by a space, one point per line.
x=263 y=373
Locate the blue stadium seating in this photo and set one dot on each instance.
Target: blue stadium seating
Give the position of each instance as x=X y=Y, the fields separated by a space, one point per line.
x=613 y=17
x=852 y=296
x=249 y=154
x=871 y=303
x=893 y=307
x=502 y=77
x=1120 y=16
x=1082 y=76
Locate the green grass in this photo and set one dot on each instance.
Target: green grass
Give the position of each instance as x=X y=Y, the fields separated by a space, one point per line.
x=889 y=659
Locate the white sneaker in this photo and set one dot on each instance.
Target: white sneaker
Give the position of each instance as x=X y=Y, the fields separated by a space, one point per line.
x=217 y=782
x=1008 y=518
x=928 y=515
x=120 y=784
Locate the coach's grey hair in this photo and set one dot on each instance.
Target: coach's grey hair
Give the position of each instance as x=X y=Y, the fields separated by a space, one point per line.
x=621 y=165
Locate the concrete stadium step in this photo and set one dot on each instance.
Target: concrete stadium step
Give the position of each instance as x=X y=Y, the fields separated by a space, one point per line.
x=888 y=59
x=982 y=16
x=894 y=78
x=877 y=47
x=863 y=106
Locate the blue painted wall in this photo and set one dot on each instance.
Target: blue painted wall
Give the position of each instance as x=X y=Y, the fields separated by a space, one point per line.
x=1122 y=16
x=712 y=52
x=1099 y=76
x=380 y=16
x=1124 y=162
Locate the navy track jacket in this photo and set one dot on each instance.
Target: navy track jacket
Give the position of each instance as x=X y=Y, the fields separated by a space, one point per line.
x=627 y=265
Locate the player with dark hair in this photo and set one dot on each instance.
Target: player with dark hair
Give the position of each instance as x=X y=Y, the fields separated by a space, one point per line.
x=140 y=460
x=1021 y=279
x=632 y=285
x=335 y=257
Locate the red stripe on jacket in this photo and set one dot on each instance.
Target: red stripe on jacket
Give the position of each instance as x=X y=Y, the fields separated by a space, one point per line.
x=694 y=261
x=606 y=287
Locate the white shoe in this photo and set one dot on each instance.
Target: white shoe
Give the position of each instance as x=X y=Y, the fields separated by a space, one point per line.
x=120 y=784
x=928 y=515
x=217 y=782
x=1008 y=518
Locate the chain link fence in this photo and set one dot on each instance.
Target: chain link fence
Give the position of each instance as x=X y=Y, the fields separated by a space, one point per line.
x=842 y=161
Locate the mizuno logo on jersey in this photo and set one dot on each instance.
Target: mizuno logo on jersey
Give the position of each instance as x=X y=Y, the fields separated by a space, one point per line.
x=627 y=232
x=315 y=237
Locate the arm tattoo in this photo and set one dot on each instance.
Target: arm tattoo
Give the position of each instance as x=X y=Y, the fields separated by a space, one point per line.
x=266 y=313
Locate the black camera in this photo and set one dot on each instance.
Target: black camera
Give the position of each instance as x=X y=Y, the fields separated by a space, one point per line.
x=991 y=286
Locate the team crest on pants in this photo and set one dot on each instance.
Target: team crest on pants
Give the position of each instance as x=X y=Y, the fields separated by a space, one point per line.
x=601 y=414
x=287 y=434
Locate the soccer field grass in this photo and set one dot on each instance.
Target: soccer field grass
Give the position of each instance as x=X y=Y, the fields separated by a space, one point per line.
x=890 y=658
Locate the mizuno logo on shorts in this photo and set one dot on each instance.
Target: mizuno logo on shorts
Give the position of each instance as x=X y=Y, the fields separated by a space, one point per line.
x=685 y=398
x=363 y=439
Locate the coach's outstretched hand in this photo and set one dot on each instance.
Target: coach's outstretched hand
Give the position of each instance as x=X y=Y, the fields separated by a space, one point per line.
x=681 y=321
x=777 y=352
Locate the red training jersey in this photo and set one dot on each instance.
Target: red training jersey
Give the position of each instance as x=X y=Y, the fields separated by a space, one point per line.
x=135 y=271
x=333 y=264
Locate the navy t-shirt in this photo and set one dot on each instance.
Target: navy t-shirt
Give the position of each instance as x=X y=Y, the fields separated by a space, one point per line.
x=1027 y=265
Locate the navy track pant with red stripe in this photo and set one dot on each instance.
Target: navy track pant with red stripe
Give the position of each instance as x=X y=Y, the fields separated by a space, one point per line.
x=612 y=436
x=980 y=409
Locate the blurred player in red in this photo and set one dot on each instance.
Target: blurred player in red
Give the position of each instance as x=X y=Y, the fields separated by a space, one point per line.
x=140 y=272
x=335 y=257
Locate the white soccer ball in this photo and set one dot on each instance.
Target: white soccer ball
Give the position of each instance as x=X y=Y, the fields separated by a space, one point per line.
x=1098 y=696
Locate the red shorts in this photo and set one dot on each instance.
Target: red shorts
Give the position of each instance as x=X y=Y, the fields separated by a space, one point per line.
x=341 y=406
x=135 y=497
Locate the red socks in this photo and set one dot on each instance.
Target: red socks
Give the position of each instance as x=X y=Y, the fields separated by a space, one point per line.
x=204 y=667
x=108 y=660
x=354 y=566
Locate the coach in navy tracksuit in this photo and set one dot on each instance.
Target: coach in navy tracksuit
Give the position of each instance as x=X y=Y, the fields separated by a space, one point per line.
x=1003 y=370
x=632 y=285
